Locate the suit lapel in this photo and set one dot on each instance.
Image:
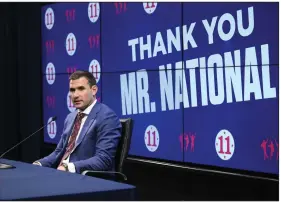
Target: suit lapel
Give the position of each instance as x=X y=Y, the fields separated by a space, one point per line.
x=89 y=121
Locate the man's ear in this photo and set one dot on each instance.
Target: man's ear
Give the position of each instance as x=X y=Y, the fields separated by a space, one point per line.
x=94 y=89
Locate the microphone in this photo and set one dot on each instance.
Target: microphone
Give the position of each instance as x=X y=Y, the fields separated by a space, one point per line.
x=6 y=166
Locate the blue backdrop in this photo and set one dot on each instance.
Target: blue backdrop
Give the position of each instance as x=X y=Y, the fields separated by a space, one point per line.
x=200 y=80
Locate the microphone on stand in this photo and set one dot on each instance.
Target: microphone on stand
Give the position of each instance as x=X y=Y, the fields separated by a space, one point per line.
x=7 y=166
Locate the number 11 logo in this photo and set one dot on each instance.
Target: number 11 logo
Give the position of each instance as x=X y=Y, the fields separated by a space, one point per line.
x=93 y=12
x=49 y=18
x=149 y=7
x=94 y=68
x=70 y=44
x=225 y=144
x=151 y=138
x=52 y=128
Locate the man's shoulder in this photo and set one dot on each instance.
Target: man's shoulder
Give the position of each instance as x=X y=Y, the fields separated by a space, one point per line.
x=105 y=107
x=107 y=116
x=105 y=110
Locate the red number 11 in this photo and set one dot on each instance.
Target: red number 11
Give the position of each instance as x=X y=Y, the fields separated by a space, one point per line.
x=149 y=139
x=227 y=145
x=71 y=46
x=93 y=10
x=152 y=5
x=52 y=128
x=96 y=72
x=49 y=18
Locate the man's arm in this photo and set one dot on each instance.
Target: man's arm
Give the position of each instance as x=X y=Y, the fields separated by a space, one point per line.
x=50 y=160
x=108 y=136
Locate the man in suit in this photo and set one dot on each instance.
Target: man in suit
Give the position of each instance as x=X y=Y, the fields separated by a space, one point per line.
x=90 y=134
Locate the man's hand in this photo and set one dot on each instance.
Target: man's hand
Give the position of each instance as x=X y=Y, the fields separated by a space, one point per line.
x=37 y=163
x=61 y=168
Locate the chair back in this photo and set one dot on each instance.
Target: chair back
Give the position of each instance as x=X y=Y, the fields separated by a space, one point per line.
x=124 y=143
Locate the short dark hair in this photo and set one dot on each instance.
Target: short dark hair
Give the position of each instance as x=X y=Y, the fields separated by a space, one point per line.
x=89 y=76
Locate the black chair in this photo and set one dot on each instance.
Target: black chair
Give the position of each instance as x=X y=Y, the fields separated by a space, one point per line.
x=121 y=155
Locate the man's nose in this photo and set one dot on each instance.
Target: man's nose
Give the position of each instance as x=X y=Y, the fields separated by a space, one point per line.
x=75 y=94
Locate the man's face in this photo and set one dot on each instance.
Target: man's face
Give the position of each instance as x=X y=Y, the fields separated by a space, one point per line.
x=82 y=95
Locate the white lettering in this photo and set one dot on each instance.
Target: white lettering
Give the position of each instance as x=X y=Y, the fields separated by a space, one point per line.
x=210 y=29
x=133 y=43
x=142 y=86
x=166 y=87
x=187 y=36
x=145 y=47
x=128 y=94
x=251 y=68
x=233 y=76
x=159 y=45
x=268 y=92
x=226 y=17
x=216 y=61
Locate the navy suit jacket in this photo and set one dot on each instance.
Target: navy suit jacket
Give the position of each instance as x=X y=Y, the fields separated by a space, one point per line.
x=96 y=145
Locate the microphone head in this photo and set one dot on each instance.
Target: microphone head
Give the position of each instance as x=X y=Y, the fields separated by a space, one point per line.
x=54 y=118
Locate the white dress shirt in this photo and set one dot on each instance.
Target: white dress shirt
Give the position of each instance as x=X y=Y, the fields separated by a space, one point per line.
x=87 y=111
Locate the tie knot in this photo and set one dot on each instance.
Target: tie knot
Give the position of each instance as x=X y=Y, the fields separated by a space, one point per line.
x=80 y=116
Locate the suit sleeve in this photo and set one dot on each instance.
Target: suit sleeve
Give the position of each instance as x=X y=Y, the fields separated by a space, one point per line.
x=51 y=160
x=108 y=136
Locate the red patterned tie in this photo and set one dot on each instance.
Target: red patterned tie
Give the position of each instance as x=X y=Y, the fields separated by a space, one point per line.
x=73 y=136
